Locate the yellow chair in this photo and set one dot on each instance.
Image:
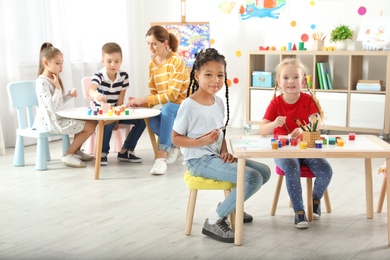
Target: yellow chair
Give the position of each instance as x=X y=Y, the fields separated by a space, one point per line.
x=195 y=183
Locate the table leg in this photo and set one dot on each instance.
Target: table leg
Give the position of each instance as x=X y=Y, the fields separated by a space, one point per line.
x=152 y=137
x=99 y=145
x=388 y=200
x=369 y=190
x=239 y=202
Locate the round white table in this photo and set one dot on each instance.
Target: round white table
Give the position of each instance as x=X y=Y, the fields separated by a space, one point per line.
x=103 y=119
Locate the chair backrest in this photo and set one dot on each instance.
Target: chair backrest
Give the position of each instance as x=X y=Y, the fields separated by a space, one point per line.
x=23 y=97
x=86 y=83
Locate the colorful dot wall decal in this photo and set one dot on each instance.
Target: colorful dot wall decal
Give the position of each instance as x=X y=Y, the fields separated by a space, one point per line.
x=293 y=23
x=304 y=37
x=212 y=41
x=229 y=82
x=362 y=10
x=238 y=53
x=313 y=26
x=235 y=80
x=312 y=3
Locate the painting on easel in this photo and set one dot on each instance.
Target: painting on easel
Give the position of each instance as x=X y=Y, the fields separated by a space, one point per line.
x=193 y=37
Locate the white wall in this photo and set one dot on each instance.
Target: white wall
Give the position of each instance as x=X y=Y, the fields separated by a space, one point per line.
x=231 y=34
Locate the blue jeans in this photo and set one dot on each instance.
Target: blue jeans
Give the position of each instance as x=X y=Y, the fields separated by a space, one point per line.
x=213 y=167
x=162 y=125
x=132 y=137
x=291 y=167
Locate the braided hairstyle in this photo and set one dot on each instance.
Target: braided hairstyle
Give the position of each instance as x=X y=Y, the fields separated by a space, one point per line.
x=202 y=58
x=299 y=64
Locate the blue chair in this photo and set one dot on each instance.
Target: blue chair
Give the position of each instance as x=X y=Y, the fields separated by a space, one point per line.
x=23 y=97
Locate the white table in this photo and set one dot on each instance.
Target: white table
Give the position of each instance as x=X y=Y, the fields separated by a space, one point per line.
x=365 y=146
x=135 y=113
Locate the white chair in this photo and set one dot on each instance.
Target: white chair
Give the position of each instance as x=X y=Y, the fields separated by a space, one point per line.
x=23 y=97
x=89 y=145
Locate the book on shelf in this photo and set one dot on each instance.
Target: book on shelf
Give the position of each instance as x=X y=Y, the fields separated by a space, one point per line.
x=324 y=75
x=319 y=76
x=370 y=85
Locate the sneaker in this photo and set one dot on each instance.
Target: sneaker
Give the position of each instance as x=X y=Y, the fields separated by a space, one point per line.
x=173 y=154
x=159 y=167
x=316 y=209
x=300 y=220
x=103 y=160
x=128 y=156
x=72 y=161
x=83 y=156
x=219 y=231
x=247 y=218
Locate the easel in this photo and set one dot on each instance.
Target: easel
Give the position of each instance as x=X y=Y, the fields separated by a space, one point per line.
x=183 y=10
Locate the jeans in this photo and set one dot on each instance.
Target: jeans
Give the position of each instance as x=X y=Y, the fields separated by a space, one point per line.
x=162 y=125
x=132 y=137
x=213 y=167
x=291 y=168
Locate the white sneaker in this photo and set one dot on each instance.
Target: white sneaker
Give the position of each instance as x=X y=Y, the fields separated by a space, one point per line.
x=83 y=156
x=173 y=154
x=72 y=161
x=159 y=167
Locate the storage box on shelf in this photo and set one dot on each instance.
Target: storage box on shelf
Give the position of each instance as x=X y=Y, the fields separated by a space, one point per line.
x=346 y=108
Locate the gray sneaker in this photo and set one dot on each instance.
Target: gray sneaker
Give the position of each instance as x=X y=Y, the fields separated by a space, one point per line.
x=219 y=231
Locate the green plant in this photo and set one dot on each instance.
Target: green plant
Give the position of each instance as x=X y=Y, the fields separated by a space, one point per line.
x=341 y=32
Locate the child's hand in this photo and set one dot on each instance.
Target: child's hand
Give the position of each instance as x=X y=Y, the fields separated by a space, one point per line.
x=72 y=92
x=296 y=133
x=227 y=157
x=210 y=138
x=280 y=121
x=101 y=98
x=55 y=82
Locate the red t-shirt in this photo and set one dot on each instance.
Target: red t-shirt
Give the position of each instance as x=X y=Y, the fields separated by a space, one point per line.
x=302 y=109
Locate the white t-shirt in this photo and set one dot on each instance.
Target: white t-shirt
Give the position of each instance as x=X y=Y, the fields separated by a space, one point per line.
x=194 y=120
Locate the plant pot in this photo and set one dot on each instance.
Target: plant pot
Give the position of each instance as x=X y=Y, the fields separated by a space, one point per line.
x=341 y=45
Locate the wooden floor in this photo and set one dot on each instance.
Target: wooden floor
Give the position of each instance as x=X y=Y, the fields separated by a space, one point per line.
x=63 y=213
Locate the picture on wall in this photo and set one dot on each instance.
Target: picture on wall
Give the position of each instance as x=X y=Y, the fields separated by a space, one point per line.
x=193 y=37
x=375 y=33
x=274 y=9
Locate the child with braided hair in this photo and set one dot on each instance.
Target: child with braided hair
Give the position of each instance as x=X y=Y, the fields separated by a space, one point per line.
x=197 y=131
x=280 y=118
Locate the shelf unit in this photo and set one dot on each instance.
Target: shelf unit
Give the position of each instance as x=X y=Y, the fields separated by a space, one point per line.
x=346 y=109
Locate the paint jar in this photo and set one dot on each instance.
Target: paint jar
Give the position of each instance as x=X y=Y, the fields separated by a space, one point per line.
x=318 y=144
x=324 y=140
x=283 y=140
x=127 y=112
x=303 y=145
x=274 y=145
x=332 y=140
x=105 y=107
x=294 y=142
x=247 y=129
x=110 y=113
x=100 y=112
x=340 y=142
x=280 y=144
x=89 y=111
x=351 y=136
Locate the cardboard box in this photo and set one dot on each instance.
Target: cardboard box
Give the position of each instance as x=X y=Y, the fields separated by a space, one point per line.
x=263 y=79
